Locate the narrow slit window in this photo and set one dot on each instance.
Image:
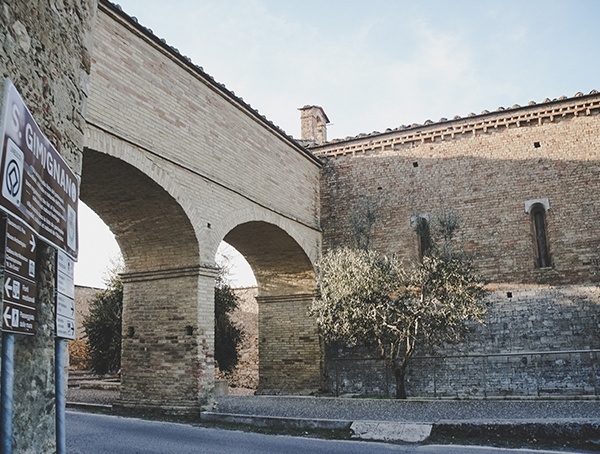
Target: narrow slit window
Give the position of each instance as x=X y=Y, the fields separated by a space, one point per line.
x=538 y=218
x=424 y=236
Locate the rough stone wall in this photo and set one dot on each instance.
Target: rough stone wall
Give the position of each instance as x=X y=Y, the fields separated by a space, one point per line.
x=485 y=169
x=44 y=50
x=535 y=343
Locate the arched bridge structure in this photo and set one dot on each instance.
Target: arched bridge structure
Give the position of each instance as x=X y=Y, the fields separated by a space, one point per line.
x=174 y=163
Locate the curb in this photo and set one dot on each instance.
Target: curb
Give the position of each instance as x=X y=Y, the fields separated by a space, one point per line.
x=88 y=406
x=274 y=421
x=573 y=433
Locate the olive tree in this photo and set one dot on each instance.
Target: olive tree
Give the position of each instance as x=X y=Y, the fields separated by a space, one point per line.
x=370 y=298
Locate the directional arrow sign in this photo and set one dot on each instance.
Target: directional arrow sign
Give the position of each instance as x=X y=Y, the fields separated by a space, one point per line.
x=19 y=291
x=6 y=317
x=18 y=284
x=19 y=245
x=18 y=319
x=8 y=287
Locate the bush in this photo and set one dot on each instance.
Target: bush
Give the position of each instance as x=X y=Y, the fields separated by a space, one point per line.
x=103 y=328
x=79 y=354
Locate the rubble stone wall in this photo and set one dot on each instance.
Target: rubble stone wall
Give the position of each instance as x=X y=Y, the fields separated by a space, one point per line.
x=45 y=51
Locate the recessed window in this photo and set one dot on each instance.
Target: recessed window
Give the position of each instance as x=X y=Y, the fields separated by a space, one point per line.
x=537 y=210
x=422 y=228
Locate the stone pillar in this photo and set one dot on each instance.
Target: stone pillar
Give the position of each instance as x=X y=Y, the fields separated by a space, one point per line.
x=168 y=342
x=290 y=354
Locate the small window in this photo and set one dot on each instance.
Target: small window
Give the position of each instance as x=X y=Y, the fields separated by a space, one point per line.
x=538 y=219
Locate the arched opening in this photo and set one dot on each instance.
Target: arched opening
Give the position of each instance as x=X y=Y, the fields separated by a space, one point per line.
x=236 y=285
x=97 y=249
x=149 y=225
x=289 y=353
x=167 y=322
x=99 y=260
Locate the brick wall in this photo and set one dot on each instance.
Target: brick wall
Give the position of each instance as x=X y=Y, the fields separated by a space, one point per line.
x=175 y=163
x=486 y=178
x=485 y=168
x=290 y=358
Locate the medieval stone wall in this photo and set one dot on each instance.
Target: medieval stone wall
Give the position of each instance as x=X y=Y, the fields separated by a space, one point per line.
x=484 y=169
x=541 y=341
x=44 y=50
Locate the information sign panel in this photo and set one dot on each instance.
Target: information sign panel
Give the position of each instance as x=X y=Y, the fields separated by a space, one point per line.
x=38 y=187
x=20 y=249
x=65 y=296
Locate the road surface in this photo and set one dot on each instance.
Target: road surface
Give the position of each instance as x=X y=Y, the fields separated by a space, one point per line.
x=89 y=433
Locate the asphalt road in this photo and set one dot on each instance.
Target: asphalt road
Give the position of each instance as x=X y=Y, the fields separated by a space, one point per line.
x=102 y=434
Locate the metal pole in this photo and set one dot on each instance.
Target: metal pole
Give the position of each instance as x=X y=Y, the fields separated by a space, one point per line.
x=59 y=377
x=8 y=384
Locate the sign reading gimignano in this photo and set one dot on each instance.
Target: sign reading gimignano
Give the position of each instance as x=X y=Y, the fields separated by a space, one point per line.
x=39 y=193
x=38 y=187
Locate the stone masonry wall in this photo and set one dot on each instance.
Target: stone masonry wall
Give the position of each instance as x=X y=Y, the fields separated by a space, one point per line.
x=484 y=169
x=44 y=50
x=542 y=341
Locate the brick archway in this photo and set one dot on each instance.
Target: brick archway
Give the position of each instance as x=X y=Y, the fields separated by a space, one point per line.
x=174 y=163
x=290 y=358
x=167 y=308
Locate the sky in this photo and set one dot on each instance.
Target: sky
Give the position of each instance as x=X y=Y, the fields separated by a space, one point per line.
x=372 y=64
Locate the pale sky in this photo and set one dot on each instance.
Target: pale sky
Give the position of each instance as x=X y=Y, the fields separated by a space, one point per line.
x=374 y=64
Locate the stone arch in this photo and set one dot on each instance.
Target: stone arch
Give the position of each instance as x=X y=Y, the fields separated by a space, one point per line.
x=290 y=357
x=168 y=315
x=272 y=245
x=150 y=226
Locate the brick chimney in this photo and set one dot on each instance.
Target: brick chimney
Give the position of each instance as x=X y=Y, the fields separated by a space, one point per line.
x=313 y=125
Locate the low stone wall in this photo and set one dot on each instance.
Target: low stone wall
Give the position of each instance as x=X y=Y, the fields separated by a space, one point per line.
x=537 y=341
